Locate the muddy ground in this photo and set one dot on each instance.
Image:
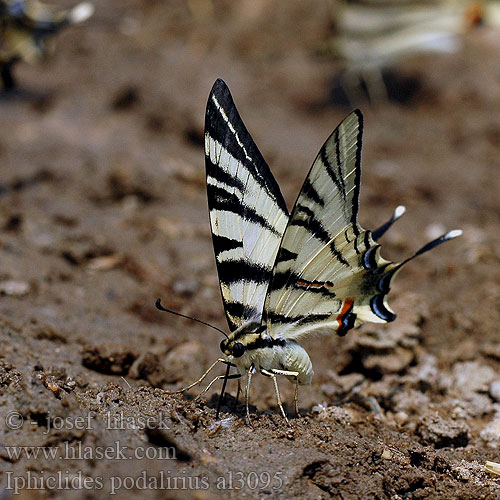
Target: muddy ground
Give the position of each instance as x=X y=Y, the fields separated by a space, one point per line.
x=103 y=209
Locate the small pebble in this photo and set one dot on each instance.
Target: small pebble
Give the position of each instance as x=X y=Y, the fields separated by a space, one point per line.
x=472 y=376
x=495 y=390
x=401 y=417
x=491 y=433
x=12 y=287
x=435 y=430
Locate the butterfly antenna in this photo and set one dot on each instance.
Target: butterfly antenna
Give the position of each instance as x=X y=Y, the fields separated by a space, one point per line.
x=378 y=233
x=161 y=308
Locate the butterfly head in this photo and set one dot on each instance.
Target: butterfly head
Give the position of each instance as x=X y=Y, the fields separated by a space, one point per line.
x=242 y=342
x=234 y=349
x=237 y=345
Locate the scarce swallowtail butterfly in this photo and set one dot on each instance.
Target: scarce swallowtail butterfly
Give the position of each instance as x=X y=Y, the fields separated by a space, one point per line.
x=284 y=276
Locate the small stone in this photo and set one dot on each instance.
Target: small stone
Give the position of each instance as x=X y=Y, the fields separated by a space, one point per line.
x=180 y=358
x=492 y=350
x=111 y=360
x=471 y=376
x=330 y=390
x=9 y=375
x=387 y=454
x=186 y=287
x=391 y=363
x=105 y=262
x=472 y=405
x=340 y=415
x=12 y=287
x=491 y=433
x=492 y=467
x=401 y=417
x=443 y=433
x=495 y=390
x=426 y=371
x=148 y=367
x=341 y=384
x=348 y=382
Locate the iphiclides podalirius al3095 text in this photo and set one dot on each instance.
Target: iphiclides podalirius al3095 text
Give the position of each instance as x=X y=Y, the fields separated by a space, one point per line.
x=286 y=275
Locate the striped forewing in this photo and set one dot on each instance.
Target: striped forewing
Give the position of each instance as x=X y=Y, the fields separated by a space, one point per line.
x=248 y=214
x=320 y=279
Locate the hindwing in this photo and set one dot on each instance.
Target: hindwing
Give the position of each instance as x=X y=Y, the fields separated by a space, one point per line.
x=328 y=268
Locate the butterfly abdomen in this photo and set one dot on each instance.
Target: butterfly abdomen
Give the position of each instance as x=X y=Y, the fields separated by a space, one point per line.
x=296 y=359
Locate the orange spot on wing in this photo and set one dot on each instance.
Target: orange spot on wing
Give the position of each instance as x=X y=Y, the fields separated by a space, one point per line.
x=346 y=307
x=474 y=14
x=315 y=284
x=310 y=284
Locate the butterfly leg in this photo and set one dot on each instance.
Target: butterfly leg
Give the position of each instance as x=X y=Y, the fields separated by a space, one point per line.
x=296 y=397
x=375 y=85
x=351 y=84
x=278 y=397
x=251 y=371
x=295 y=375
x=238 y=391
x=219 y=377
x=220 y=360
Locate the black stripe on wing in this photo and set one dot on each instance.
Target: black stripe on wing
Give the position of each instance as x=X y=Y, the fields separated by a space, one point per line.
x=217 y=173
x=357 y=173
x=338 y=254
x=299 y=320
x=310 y=192
x=339 y=165
x=220 y=199
x=285 y=255
x=238 y=141
x=233 y=271
x=314 y=226
x=338 y=181
x=223 y=244
x=281 y=279
x=310 y=223
x=239 y=310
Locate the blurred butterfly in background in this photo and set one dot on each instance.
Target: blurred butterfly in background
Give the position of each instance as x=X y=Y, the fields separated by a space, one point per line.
x=26 y=27
x=373 y=37
x=284 y=276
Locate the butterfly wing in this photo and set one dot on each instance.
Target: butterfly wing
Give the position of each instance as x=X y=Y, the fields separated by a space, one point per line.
x=328 y=273
x=248 y=214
